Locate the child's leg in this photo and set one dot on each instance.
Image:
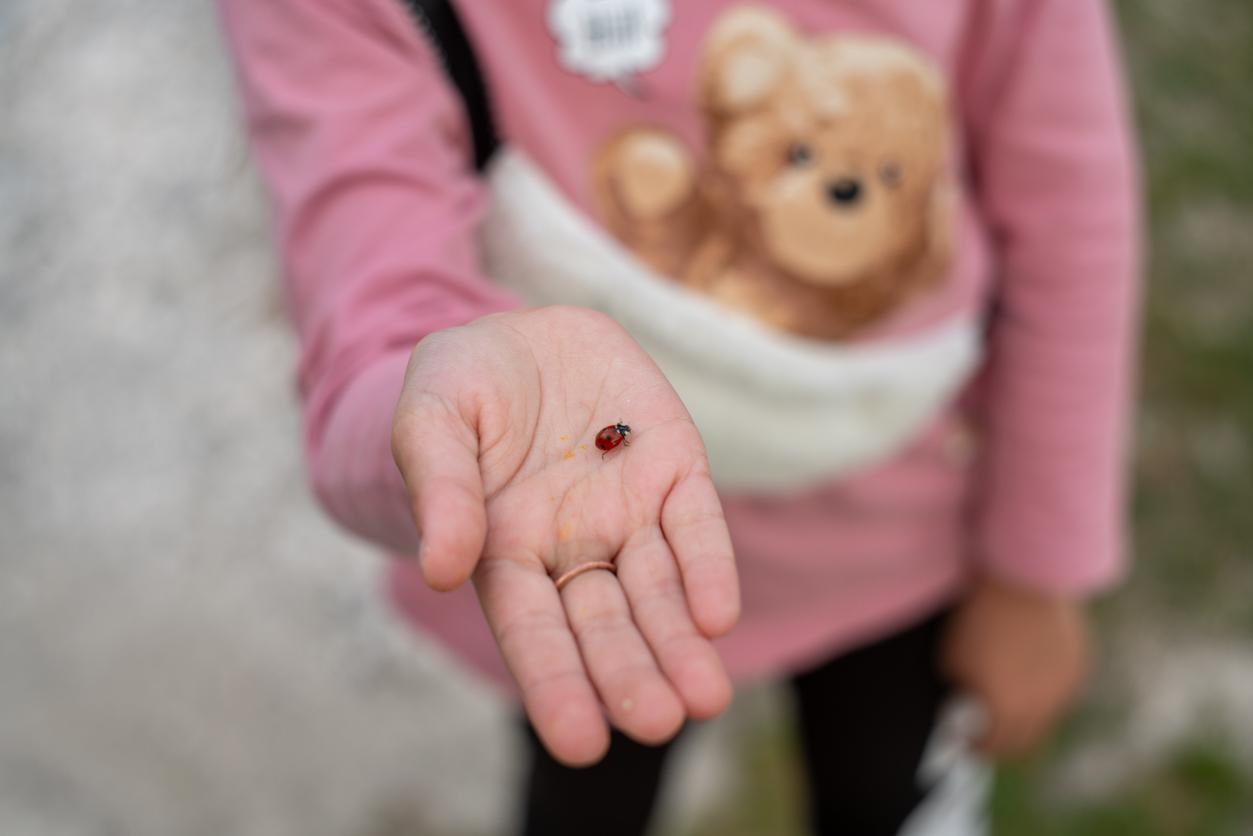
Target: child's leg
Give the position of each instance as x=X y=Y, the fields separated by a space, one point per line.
x=865 y=719
x=613 y=798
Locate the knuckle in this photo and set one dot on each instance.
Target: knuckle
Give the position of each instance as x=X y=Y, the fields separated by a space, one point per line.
x=600 y=622
x=627 y=676
x=438 y=355
x=538 y=684
x=404 y=430
x=434 y=341
x=662 y=606
x=407 y=439
x=679 y=644
x=416 y=419
x=521 y=631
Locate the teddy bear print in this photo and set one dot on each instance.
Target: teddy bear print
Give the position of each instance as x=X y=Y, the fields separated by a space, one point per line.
x=823 y=202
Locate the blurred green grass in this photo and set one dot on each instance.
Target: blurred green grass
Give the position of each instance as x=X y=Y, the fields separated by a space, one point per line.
x=1191 y=69
x=1199 y=789
x=1191 y=66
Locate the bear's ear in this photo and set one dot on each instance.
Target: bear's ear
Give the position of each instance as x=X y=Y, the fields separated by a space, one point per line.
x=884 y=59
x=746 y=54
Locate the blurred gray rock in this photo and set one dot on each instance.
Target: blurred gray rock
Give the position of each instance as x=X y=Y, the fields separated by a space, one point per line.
x=186 y=645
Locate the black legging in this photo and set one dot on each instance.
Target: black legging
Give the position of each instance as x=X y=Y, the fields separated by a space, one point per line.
x=864 y=718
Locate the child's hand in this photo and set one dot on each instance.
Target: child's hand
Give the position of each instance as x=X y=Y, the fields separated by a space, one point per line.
x=494 y=435
x=1023 y=655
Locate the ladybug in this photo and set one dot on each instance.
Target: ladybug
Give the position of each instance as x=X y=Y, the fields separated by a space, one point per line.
x=611 y=436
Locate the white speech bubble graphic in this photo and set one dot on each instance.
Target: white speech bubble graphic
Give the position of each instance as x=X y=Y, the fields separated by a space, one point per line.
x=609 y=40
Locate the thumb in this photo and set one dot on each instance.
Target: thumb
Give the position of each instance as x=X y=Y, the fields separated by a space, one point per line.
x=437 y=454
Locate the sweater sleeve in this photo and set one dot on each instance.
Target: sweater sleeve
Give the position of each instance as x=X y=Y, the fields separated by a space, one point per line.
x=1056 y=169
x=365 y=152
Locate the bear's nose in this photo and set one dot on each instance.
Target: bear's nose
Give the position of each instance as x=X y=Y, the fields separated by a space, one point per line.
x=844 y=192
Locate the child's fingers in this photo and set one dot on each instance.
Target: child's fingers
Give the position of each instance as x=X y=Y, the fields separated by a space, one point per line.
x=527 y=618
x=1004 y=739
x=1012 y=731
x=637 y=696
x=437 y=454
x=650 y=578
x=697 y=533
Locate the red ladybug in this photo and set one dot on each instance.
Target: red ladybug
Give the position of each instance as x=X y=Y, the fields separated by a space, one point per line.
x=611 y=436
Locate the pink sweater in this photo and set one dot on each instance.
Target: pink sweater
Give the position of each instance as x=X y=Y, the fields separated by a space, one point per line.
x=363 y=144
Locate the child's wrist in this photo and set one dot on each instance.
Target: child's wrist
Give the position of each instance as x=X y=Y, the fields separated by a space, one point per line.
x=990 y=583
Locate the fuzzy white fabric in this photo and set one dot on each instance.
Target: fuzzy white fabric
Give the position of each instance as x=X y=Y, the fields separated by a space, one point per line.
x=776 y=412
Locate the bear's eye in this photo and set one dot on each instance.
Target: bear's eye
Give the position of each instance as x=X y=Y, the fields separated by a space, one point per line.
x=890 y=174
x=799 y=154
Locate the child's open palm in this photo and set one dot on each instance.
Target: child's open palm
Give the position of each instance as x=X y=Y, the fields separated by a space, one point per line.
x=494 y=437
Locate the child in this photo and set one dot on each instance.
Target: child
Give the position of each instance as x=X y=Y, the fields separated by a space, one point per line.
x=884 y=251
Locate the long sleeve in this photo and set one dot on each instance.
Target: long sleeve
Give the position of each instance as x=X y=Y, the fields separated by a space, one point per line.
x=1057 y=174
x=363 y=147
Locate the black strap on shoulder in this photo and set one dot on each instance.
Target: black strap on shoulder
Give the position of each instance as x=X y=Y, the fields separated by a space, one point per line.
x=441 y=26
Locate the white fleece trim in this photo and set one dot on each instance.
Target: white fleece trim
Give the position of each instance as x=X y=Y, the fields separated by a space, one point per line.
x=776 y=412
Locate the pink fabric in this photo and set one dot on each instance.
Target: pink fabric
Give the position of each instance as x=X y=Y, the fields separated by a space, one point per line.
x=363 y=146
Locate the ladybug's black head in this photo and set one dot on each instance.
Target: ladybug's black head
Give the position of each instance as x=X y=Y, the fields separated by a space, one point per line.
x=622 y=428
